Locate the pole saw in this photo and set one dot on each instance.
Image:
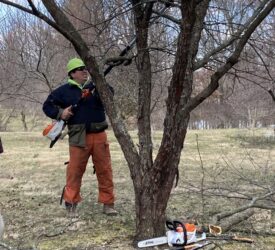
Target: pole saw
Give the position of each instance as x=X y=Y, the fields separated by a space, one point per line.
x=54 y=131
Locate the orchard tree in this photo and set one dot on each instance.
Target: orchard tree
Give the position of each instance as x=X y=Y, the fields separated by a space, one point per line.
x=202 y=34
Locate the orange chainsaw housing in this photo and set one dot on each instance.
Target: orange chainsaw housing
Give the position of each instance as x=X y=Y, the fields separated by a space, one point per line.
x=48 y=129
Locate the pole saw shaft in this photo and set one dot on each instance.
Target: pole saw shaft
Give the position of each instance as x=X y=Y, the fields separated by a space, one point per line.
x=110 y=67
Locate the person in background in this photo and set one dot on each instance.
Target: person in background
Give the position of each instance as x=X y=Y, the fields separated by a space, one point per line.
x=2 y=226
x=1 y=218
x=1 y=147
x=78 y=103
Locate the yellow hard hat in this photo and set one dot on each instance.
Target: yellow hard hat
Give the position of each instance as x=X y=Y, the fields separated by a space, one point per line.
x=74 y=64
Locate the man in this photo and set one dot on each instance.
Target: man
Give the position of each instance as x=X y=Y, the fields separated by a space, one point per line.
x=2 y=225
x=78 y=103
x=1 y=147
x=1 y=219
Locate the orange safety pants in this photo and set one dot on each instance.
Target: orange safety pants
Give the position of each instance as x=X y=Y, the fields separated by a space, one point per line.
x=97 y=147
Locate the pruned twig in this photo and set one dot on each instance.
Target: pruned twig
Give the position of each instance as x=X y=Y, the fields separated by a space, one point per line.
x=251 y=204
x=5 y=246
x=202 y=179
x=58 y=233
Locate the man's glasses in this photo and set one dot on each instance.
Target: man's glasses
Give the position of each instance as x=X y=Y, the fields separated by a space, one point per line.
x=80 y=69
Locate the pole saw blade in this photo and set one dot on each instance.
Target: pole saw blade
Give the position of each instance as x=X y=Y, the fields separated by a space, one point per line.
x=153 y=242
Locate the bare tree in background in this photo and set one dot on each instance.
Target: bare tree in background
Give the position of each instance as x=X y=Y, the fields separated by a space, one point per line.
x=253 y=76
x=198 y=43
x=30 y=54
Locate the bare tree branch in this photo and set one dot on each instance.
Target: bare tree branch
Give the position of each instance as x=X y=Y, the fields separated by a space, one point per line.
x=251 y=204
x=199 y=64
x=233 y=59
x=41 y=16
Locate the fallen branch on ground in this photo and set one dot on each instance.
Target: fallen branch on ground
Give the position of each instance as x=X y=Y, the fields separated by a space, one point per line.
x=251 y=204
x=62 y=231
x=231 y=238
x=234 y=220
x=5 y=246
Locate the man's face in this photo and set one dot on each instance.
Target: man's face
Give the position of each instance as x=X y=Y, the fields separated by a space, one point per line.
x=80 y=75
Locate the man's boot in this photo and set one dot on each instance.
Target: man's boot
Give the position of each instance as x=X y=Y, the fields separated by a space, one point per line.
x=109 y=209
x=71 y=209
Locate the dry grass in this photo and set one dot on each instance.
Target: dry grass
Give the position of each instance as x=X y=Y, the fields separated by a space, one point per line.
x=32 y=177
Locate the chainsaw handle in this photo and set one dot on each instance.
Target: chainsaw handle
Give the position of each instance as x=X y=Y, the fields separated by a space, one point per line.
x=172 y=225
x=178 y=223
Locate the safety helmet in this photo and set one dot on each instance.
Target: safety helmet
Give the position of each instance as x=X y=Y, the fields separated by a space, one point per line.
x=74 y=64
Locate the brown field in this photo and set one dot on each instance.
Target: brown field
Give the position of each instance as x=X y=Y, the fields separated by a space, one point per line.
x=32 y=177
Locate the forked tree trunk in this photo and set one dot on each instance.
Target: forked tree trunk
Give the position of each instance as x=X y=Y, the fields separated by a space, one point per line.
x=151 y=198
x=153 y=190
x=151 y=201
x=150 y=212
x=153 y=193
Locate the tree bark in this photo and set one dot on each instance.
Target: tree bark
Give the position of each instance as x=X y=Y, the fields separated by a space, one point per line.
x=153 y=193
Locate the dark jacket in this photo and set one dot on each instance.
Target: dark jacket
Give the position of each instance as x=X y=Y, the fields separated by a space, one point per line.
x=89 y=113
x=1 y=147
x=89 y=109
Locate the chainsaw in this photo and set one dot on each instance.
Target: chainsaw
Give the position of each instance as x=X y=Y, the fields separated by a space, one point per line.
x=179 y=235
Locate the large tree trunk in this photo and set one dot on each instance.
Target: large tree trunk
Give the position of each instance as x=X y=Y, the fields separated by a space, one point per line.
x=153 y=194
x=153 y=189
